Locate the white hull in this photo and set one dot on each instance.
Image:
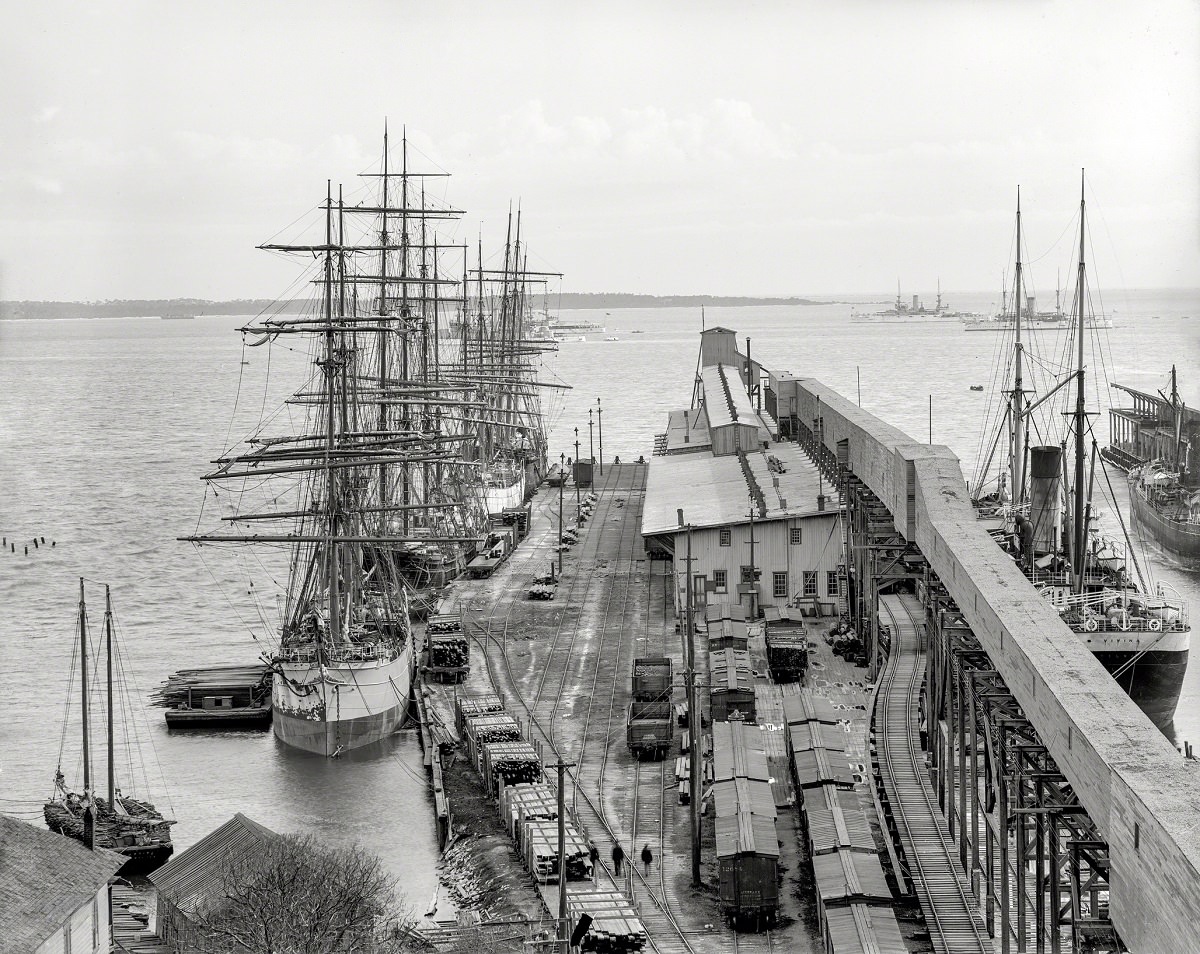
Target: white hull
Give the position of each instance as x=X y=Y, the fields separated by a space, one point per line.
x=332 y=709
x=503 y=498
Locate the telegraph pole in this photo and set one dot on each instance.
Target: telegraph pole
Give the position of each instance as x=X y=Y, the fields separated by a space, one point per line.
x=564 y=933
x=600 y=425
x=591 y=434
x=577 y=482
x=753 y=582
x=694 y=719
x=563 y=467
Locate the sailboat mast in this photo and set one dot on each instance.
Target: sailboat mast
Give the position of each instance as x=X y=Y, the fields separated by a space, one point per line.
x=1080 y=409
x=83 y=676
x=1016 y=414
x=332 y=563
x=108 y=635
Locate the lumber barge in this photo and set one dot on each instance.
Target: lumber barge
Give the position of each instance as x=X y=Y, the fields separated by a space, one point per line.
x=217 y=697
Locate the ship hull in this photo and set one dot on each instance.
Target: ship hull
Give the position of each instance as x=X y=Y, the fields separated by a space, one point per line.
x=335 y=709
x=504 y=497
x=1153 y=679
x=1170 y=534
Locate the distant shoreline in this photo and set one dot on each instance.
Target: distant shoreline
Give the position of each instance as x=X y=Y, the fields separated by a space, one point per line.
x=184 y=308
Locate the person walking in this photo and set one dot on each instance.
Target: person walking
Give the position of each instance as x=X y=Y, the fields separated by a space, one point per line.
x=618 y=856
x=594 y=855
x=647 y=857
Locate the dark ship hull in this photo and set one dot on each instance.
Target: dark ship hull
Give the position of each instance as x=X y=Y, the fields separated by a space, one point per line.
x=1180 y=538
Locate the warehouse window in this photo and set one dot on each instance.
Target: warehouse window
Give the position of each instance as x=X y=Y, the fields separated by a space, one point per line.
x=795 y=536
x=726 y=537
x=831 y=582
x=810 y=582
x=779 y=585
x=719 y=581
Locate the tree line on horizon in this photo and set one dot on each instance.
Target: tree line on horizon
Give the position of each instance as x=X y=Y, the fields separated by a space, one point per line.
x=191 y=307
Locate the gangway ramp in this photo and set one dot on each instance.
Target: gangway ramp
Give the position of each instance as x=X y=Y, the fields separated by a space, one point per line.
x=955 y=926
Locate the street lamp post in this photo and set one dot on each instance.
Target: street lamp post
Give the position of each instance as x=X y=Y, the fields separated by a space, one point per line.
x=600 y=425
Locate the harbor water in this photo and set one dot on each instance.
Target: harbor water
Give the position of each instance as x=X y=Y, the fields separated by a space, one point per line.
x=107 y=425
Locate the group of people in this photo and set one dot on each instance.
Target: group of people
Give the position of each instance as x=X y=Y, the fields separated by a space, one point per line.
x=618 y=857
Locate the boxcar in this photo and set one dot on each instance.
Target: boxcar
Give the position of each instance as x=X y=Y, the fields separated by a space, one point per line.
x=807 y=706
x=847 y=877
x=822 y=767
x=731 y=685
x=834 y=820
x=748 y=869
x=862 y=929
x=738 y=752
x=728 y=634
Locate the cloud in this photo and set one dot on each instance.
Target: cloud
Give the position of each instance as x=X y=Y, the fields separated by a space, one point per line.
x=46 y=114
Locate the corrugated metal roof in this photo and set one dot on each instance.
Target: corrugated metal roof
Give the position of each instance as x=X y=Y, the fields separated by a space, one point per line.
x=822 y=767
x=746 y=833
x=719 y=611
x=729 y=671
x=864 y=929
x=713 y=491
x=807 y=706
x=738 y=752
x=732 y=795
x=44 y=877
x=193 y=873
x=840 y=875
x=835 y=820
x=817 y=735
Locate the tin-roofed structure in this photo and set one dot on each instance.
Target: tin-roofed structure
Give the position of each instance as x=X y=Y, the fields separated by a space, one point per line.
x=195 y=875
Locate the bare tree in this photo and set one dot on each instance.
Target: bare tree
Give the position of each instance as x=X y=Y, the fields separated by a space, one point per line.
x=298 y=896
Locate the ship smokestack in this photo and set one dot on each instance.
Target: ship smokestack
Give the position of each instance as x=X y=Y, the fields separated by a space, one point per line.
x=1045 y=468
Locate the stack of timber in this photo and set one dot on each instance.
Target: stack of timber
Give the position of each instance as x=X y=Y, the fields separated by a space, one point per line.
x=615 y=926
x=509 y=763
x=488 y=727
x=449 y=651
x=466 y=706
x=539 y=847
x=527 y=802
x=217 y=697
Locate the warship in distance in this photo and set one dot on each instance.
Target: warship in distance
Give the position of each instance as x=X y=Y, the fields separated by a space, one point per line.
x=375 y=496
x=1042 y=510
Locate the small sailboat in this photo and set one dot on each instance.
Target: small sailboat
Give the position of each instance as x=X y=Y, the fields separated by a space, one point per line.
x=121 y=823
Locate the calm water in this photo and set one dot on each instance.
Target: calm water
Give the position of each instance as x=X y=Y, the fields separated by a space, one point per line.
x=106 y=426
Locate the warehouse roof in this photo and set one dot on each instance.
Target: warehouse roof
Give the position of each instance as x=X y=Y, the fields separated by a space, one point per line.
x=687 y=431
x=714 y=491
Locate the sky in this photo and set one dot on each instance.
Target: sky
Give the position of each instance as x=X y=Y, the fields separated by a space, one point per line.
x=726 y=148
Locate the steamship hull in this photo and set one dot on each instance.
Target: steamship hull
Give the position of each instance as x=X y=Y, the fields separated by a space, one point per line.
x=1180 y=538
x=1152 y=678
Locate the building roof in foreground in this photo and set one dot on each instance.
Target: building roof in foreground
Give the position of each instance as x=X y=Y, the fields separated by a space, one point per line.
x=192 y=874
x=44 y=877
x=714 y=491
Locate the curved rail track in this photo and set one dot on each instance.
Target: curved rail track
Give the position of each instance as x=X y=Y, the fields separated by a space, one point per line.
x=950 y=910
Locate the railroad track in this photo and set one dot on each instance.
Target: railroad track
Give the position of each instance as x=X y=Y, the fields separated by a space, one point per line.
x=950 y=912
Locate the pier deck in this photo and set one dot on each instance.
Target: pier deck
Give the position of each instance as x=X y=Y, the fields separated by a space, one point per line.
x=563 y=668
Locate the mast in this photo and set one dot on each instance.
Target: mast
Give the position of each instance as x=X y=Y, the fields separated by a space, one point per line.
x=83 y=676
x=1080 y=409
x=1017 y=451
x=333 y=549
x=108 y=637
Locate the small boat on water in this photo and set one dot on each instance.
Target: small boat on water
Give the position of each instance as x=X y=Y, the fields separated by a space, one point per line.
x=976 y=387
x=121 y=823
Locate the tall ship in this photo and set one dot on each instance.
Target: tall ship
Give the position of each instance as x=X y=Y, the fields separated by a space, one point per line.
x=1156 y=440
x=374 y=491
x=501 y=354
x=1040 y=508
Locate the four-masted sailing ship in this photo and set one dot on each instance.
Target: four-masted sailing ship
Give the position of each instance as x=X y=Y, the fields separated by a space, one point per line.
x=382 y=496
x=1042 y=505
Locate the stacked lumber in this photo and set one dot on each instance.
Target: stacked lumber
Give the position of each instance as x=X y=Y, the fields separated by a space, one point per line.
x=616 y=927
x=475 y=705
x=539 y=847
x=509 y=763
x=212 y=680
x=526 y=802
x=488 y=727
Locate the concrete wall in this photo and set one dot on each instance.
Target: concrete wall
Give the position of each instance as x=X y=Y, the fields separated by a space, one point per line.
x=1125 y=772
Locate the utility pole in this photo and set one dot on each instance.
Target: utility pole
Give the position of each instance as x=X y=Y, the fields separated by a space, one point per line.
x=591 y=434
x=600 y=425
x=563 y=466
x=695 y=721
x=753 y=584
x=577 y=505
x=564 y=933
